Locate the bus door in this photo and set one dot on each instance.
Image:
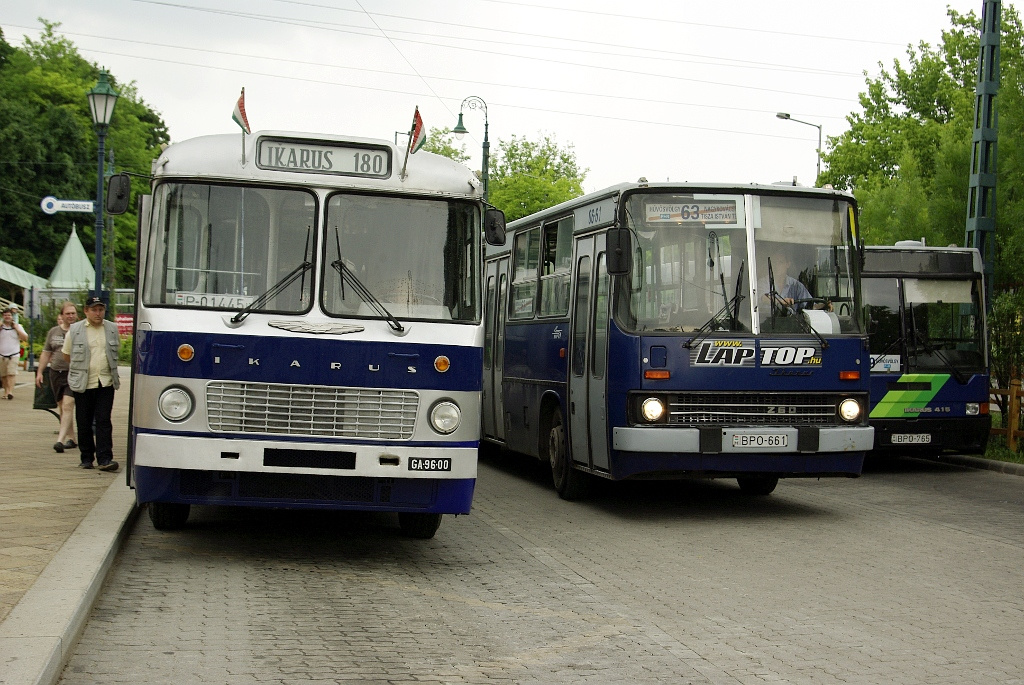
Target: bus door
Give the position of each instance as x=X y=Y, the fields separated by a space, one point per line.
x=496 y=280
x=588 y=356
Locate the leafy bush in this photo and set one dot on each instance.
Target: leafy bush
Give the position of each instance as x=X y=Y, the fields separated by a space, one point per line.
x=1006 y=340
x=125 y=353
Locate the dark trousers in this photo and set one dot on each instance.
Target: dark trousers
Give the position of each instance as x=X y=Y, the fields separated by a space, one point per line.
x=94 y=406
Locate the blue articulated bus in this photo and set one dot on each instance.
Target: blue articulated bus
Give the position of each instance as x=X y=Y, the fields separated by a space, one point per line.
x=680 y=330
x=929 y=351
x=308 y=329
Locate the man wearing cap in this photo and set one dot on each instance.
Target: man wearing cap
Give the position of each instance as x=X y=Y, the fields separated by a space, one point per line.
x=11 y=337
x=91 y=348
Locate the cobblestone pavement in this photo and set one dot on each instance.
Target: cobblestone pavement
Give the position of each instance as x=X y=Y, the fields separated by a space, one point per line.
x=910 y=574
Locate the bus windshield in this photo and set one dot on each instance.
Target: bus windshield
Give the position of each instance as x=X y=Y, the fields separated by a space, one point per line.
x=943 y=325
x=419 y=259
x=222 y=247
x=692 y=266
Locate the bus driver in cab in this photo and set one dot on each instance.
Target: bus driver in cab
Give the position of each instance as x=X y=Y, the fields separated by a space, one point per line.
x=788 y=295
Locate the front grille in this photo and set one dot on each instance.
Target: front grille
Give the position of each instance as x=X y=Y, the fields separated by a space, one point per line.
x=314 y=410
x=744 y=409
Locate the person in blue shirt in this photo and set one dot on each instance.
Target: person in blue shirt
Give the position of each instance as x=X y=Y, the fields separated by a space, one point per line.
x=789 y=294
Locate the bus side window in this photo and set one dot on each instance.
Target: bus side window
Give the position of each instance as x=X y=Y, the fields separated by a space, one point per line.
x=557 y=262
x=524 y=268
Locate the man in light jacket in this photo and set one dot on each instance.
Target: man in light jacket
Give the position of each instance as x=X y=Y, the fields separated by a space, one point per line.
x=91 y=347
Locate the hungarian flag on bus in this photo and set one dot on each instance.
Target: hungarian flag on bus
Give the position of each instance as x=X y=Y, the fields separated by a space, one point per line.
x=238 y=116
x=417 y=136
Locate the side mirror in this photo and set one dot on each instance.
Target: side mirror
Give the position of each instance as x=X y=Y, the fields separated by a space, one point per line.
x=494 y=226
x=119 y=193
x=619 y=251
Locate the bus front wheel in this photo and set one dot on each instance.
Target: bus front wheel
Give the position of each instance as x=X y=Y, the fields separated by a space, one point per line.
x=168 y=515
x=419 y=526
x=757 y=485
x=570 y=483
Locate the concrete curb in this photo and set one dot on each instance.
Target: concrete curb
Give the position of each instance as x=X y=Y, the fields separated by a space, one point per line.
x=37 y=637
x=980 y=463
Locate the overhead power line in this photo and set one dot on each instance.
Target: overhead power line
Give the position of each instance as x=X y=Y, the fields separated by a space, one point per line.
x=319 y=25
x=308 y=63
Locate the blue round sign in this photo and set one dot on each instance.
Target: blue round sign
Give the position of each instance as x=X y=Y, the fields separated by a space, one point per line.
x=49 y=204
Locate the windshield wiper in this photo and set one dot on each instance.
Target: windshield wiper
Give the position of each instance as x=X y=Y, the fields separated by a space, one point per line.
x=887 y=350
x=709 y=325
x=955 y=372
x=921 y=340
x=811 y=329
x=364 y=293
x=736 y=297
x=272 y=292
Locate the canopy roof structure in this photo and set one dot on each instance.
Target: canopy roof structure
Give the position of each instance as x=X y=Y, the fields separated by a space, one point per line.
x=19 y=277
x=74 y=270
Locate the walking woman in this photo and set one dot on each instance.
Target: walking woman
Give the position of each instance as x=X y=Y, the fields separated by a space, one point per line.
x=52 y=355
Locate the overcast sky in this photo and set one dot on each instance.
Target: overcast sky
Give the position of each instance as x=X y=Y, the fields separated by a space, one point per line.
x=677 y=90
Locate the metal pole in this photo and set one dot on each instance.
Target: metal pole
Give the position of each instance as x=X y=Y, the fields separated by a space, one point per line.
x=474 y=101
x=487 y=147
x=819 y=155
x=981 y=191
x=101 y=132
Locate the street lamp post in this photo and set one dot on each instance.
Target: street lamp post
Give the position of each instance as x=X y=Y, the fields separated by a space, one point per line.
x=102 y=98
x=784 y=115
x=473 y=102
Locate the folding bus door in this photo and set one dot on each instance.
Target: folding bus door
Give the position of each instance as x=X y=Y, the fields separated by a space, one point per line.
x=496 y=280
x=579 y=430
x=597 y=395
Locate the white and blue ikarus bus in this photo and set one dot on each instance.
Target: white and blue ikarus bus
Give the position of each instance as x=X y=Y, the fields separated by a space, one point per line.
x=308 y=328
x=680 y=330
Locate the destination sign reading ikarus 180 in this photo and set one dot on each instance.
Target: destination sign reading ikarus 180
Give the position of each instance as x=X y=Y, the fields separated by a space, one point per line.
x=317 y=157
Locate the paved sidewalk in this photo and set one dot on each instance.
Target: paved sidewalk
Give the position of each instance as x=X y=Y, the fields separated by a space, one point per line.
x=60 y=527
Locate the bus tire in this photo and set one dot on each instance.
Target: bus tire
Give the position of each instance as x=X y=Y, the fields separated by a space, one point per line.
x=419 y=526
x=168 y=515
x=570 y=483
x=757 y=485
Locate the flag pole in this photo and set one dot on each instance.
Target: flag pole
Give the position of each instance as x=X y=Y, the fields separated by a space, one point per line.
x=408 y=146
x=243 y=130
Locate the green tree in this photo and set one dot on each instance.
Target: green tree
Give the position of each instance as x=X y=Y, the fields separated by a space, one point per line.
x=527 y=176
x=439 y=141
x=907 y=152
x=48 y=147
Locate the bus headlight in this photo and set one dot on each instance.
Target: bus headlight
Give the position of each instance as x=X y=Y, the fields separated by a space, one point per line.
x=652 y=409
x=175 y=404
x=849 y=410
x=445 y=417
x=973 y=408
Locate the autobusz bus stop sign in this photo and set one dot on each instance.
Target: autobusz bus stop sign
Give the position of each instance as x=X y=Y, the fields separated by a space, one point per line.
x=52 y=205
